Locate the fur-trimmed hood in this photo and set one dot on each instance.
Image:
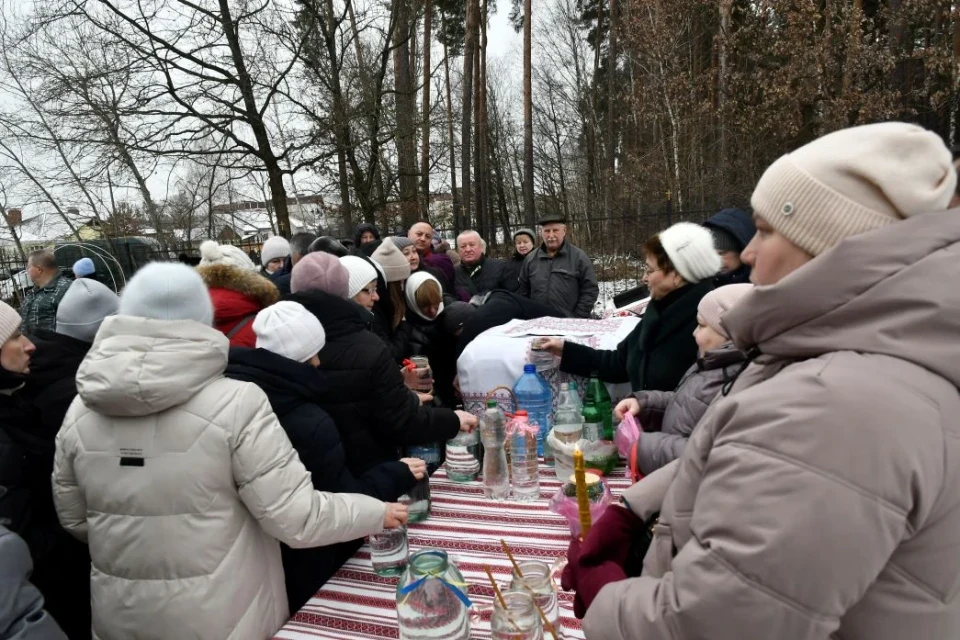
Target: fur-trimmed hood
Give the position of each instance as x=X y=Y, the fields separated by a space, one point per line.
x=248 y=283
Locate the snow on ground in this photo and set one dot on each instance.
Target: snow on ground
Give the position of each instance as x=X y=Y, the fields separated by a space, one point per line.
x=611 y=288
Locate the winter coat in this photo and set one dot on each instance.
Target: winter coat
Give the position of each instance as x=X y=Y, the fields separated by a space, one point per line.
x=821 y=497
x=375 y=413
x=441 y=266
x=62 y=570
x=657 y=352
x=485 y=276
x=512 y=271
x=500 y=307
x=21 y=606
x=238 y=296
x=428 y=339
x=292 y=389
x=739 y=224
x=182 y=481
x=39 y=308
x=668 y=417
x=567 y=281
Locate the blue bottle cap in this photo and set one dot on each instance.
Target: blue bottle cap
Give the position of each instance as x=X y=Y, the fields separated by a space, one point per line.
x=529 y=368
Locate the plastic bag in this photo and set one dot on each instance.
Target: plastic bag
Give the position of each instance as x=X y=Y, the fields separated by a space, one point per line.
x=564 y=503
x=600 y=456
x=628 y=432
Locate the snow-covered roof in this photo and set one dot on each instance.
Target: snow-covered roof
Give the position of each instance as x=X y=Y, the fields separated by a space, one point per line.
x=39 y=228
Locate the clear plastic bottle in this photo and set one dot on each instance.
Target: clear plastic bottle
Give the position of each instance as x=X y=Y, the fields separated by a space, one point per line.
x=426 y=607
x=536 y=398
x=493 y=434
x=523 y=461
x=575 y=396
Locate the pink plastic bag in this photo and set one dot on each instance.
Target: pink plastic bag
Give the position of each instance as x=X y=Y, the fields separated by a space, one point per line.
x=628 y=432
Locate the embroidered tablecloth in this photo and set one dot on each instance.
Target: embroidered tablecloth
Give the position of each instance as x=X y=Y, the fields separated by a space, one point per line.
x=356 y=603
x=496 y=357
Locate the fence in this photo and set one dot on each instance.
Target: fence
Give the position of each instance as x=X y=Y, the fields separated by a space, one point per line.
x=614 y=244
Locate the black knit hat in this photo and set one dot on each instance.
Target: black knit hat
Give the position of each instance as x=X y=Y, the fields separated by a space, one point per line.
x=723 y=240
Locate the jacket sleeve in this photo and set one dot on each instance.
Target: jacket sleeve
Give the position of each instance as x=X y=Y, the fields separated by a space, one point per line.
x=609 y=364
x=656 y=449
x=276 y=488
x=68 y=498
x=802 y=540
x=400 y=418
x=645 y=498
x=21 y=606
x=589 y=289
x=652 y=406
x=523 y=281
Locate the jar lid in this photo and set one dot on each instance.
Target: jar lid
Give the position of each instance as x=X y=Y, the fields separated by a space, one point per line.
x=591 y=478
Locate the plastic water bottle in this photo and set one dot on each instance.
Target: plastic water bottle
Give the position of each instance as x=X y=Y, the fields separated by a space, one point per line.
x=493 y=435
x=535 y=397
x=597 y=391
x=575 y=396
x=523 y=460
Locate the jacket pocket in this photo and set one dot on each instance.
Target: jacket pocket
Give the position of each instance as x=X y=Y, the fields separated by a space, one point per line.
x=660 y=556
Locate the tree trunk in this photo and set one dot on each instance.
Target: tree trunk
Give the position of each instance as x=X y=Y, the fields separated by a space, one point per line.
x=610 y=182
x=487 y=228
x=457 y=205
x=254 y=120
x=425 y=135
x=469 y=51
x=528 y=199
x=405 y=116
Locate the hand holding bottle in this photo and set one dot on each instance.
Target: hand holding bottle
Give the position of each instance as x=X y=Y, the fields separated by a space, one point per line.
x=553 y=345
x=468 y=421
x=395 y=515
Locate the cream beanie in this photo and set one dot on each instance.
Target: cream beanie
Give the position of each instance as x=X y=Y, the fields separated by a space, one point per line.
x=288 y=329
x=275 y=247
x=394 y=264
x=9 y=322
x=213 y=253
x=361 y=273
x=715 y=304
x=853 y=181
x=690 y=248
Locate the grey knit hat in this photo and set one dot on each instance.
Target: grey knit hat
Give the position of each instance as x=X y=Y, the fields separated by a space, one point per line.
x=83 y=308
x=525 y=232
x=401 y=242
x=167 y=291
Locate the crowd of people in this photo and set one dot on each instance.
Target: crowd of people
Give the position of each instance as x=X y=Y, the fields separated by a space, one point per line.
x=196 y=456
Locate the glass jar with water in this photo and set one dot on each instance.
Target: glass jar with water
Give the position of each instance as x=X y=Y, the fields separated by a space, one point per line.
x=518 y=621
x=432 y=599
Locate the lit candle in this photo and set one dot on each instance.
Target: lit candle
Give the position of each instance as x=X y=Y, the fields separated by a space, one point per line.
x=583 y=502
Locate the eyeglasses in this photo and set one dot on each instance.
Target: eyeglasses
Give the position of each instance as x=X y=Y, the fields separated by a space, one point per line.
x=369 y=291
x=646 y=270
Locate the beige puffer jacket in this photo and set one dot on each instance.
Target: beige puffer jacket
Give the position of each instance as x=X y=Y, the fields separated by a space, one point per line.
x=821 y=499
x=182 y=481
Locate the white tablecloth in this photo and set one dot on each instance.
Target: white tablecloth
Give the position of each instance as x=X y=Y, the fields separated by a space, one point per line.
x=496 y=357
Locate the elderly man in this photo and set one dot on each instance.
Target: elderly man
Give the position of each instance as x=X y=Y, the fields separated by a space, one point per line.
x=421 y=233
x=39 y=309
x=559 y=275
x=477 y=273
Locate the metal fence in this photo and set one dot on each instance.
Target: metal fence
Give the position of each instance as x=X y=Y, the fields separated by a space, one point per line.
x=614 y=244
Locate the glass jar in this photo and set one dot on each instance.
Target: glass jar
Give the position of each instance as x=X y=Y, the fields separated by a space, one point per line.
x=519 y=621
x=388 y=552
x=537 y=581
x=424 y=374
x=418 y=501
x=432 y=599
x=463 y=456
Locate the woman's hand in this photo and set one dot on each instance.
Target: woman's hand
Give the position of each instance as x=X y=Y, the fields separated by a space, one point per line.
x=425 y=398
x=553 y=345
x=468 y=421
x=627 y=405
x=395 y=515
x=417 y=467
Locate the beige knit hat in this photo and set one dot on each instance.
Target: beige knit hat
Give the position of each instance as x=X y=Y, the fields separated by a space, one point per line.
x=853 y=181
x=9 y=322
x=395 y=266
x=715 y=304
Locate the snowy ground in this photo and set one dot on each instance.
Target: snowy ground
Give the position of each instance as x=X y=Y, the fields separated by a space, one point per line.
x=609 y=289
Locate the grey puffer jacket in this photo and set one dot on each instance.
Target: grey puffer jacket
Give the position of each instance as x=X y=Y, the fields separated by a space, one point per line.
x=668 y=417
x=820 y=498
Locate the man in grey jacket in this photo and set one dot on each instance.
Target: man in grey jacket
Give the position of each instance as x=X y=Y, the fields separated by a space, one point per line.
x=21 y=606
x=558 y=274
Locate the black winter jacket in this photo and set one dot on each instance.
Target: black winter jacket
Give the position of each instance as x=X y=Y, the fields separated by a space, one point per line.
x=281 y=277
x=486 y=275
x=500 y=307
x=657 y=352
x=52 y=383
x=293 y=389
x=373 y=410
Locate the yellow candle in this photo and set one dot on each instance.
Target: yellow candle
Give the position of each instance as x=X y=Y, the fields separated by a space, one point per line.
x=583 y=502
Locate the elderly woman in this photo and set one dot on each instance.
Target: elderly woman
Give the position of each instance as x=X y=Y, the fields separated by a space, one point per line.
x=680 y=265
x=820 y=498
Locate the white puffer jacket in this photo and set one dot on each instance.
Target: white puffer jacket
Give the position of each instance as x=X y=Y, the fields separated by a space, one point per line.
x=182 y=481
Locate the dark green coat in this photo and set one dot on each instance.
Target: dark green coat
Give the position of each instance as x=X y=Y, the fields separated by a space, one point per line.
x=657 y=352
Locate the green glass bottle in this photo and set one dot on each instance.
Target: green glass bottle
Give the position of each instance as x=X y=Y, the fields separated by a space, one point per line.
x=597 y=391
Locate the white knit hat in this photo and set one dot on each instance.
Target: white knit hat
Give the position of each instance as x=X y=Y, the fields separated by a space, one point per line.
x=213 y=253
x=855 y=180
x=690 y=248
x=167 y=291
x=361 y=273
x=275 y=247
x=9 y=322
x=715 y=304
x=289 y=330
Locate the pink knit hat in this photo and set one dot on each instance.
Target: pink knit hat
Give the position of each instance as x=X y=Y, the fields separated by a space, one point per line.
x=853 y=181
x=320 y=271
x=718 y=302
